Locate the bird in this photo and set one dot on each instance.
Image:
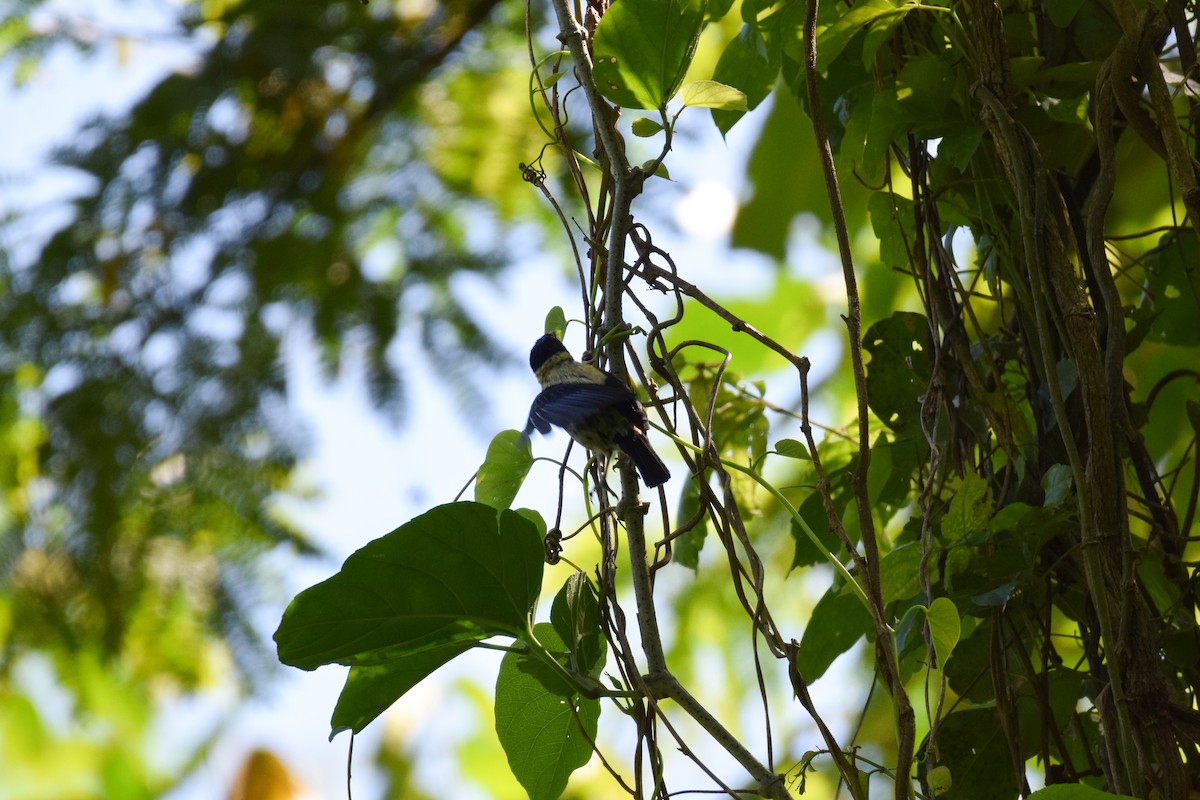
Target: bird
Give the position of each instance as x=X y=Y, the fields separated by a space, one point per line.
x=597 y=409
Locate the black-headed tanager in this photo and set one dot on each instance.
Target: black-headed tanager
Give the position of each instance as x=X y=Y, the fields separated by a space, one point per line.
x=595 y=407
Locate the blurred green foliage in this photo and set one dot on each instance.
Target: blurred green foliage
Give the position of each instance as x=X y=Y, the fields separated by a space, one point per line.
x=326 y=168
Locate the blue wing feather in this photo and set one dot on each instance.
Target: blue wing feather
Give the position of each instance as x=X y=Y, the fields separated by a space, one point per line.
x=567 y=404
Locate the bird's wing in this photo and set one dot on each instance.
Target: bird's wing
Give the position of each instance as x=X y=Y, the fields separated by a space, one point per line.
x=565 y=404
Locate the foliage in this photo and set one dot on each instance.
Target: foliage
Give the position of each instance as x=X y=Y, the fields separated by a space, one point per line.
x=292 y=179
x=1002 y=505
x=1007 y=519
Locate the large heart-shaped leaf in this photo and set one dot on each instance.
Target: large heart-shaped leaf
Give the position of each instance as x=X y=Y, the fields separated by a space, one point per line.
x=460 y=572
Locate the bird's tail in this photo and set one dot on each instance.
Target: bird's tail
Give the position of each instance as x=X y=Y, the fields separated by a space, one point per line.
x=652 y=469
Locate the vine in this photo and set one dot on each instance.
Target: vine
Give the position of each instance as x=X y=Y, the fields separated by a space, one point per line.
x=974 y=511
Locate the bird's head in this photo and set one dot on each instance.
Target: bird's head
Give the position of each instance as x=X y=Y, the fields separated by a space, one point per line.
x=543 y=350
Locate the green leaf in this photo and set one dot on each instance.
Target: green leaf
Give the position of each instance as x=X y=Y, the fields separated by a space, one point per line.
x=545 y=735
x=712 y=94
x=891 y=215
x=576 y=619
x=556 y=321
x=370 y=690
x=646 y=127
x=881 y=29
x=889 y=478
x=659 y=172
x=535 y=518
x=959 y=143
x=898 y=572
x=643 y=48
x=837 y=622
x=746 y=63
x=812 y=510
x=1163 y=592
x=685 y=549
x=1174 y=289
x=1061 y=12
x=504 y=469
x=715 y=10
x=13 y=30
x=835 y=28
x=458 y=573
x=909 y=630
x=888 y=123
x=925 y=88
x=1009 y=517
x=900 y=368
x=945 y=627
x=970 y=509
x=972 y=746
x=790 y=448
x=971 y=661
x=879 y=471
x=939 y=780
x=786 y=156
x=1056 y=484
x=1075 y=791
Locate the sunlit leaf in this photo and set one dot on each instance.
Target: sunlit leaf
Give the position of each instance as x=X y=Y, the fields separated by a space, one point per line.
x=556 y=321
x=945 y=627
x=642 y=50
x=835 y=28
x=898 y=572
x=939 y=780
x=686 y=548
x=504 y=469
x=711 y=94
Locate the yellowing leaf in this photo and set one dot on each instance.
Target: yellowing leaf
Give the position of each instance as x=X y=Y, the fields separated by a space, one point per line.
x=711 y=94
